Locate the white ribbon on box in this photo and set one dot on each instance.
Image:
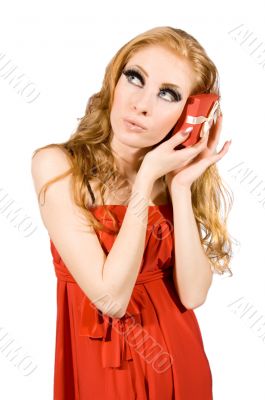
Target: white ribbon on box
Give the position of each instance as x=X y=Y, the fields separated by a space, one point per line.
x=207 y=121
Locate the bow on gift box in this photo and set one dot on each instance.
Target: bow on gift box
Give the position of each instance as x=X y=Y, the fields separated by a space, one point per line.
x=215 y=111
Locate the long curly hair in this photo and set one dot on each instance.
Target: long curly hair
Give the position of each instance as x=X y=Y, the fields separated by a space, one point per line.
x=91 y=158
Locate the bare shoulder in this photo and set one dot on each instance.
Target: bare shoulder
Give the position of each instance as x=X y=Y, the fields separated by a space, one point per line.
x=50 y=156
x=48 y=163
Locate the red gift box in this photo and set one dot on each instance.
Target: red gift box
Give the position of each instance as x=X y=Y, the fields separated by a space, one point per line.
x=199 y=112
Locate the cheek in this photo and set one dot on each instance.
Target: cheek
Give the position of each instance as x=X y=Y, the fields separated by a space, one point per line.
x=119 y=95
x=169 y=121
x=165 y=125
x=174 y=117
x=116 y=99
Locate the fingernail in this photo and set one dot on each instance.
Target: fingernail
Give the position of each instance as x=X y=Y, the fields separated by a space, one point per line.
x=188 y=130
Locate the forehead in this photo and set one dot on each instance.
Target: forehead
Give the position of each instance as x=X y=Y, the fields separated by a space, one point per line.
x=164 y=65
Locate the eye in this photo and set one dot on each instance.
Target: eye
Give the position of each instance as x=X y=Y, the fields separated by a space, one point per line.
x=132 y=73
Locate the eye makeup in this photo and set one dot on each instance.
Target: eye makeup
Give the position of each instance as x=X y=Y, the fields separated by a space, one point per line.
x=132 y=72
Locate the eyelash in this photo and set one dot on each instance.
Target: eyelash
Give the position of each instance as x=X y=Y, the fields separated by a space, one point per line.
x=133 y=72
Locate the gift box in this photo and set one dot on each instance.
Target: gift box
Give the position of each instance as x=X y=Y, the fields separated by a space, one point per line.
x=200 y=111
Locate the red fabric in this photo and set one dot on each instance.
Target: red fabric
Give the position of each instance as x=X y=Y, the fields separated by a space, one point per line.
x=155 y=351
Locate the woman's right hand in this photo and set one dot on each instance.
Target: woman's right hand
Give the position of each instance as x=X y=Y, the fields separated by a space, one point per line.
x=163 y=158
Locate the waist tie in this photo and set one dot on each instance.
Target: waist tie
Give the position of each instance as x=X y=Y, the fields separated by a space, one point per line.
x=113 y=332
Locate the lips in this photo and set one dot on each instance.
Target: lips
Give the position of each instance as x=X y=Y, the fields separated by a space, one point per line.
x=135 y=123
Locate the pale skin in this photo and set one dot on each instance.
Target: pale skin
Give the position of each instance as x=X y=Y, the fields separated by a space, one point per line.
x=192 y=274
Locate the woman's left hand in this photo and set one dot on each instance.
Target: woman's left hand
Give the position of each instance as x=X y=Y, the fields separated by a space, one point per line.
x=185 y=176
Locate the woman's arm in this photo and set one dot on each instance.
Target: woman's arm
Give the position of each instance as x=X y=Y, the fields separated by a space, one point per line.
x=122 y=265
x=108 y=281
x=192 y=272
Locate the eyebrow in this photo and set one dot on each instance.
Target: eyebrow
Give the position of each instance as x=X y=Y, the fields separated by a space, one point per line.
x=165 y=84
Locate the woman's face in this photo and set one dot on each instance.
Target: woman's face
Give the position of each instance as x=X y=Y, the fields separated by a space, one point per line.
x=142 y=95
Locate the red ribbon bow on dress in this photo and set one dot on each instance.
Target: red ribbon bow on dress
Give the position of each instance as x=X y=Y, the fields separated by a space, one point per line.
x=116 y=333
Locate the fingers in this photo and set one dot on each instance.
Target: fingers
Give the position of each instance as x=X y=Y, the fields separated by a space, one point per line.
x=218 y=156
x=193 y=151
x=179 y=137
x=223 y=151
x=201 y=142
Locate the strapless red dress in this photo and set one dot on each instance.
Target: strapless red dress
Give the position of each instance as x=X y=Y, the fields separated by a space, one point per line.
x=155 y=351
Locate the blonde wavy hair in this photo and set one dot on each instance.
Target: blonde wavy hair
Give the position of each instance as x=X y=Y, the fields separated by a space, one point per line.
x=91 y=158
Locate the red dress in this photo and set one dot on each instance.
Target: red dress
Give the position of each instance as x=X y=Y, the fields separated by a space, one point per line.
x=155 y=351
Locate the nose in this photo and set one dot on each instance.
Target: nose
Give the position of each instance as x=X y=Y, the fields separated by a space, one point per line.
x=142 y=103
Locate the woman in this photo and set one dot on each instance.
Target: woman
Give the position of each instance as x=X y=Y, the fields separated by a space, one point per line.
x=123 y=212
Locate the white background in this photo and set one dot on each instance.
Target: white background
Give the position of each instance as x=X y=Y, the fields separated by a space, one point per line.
x=64 y=47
